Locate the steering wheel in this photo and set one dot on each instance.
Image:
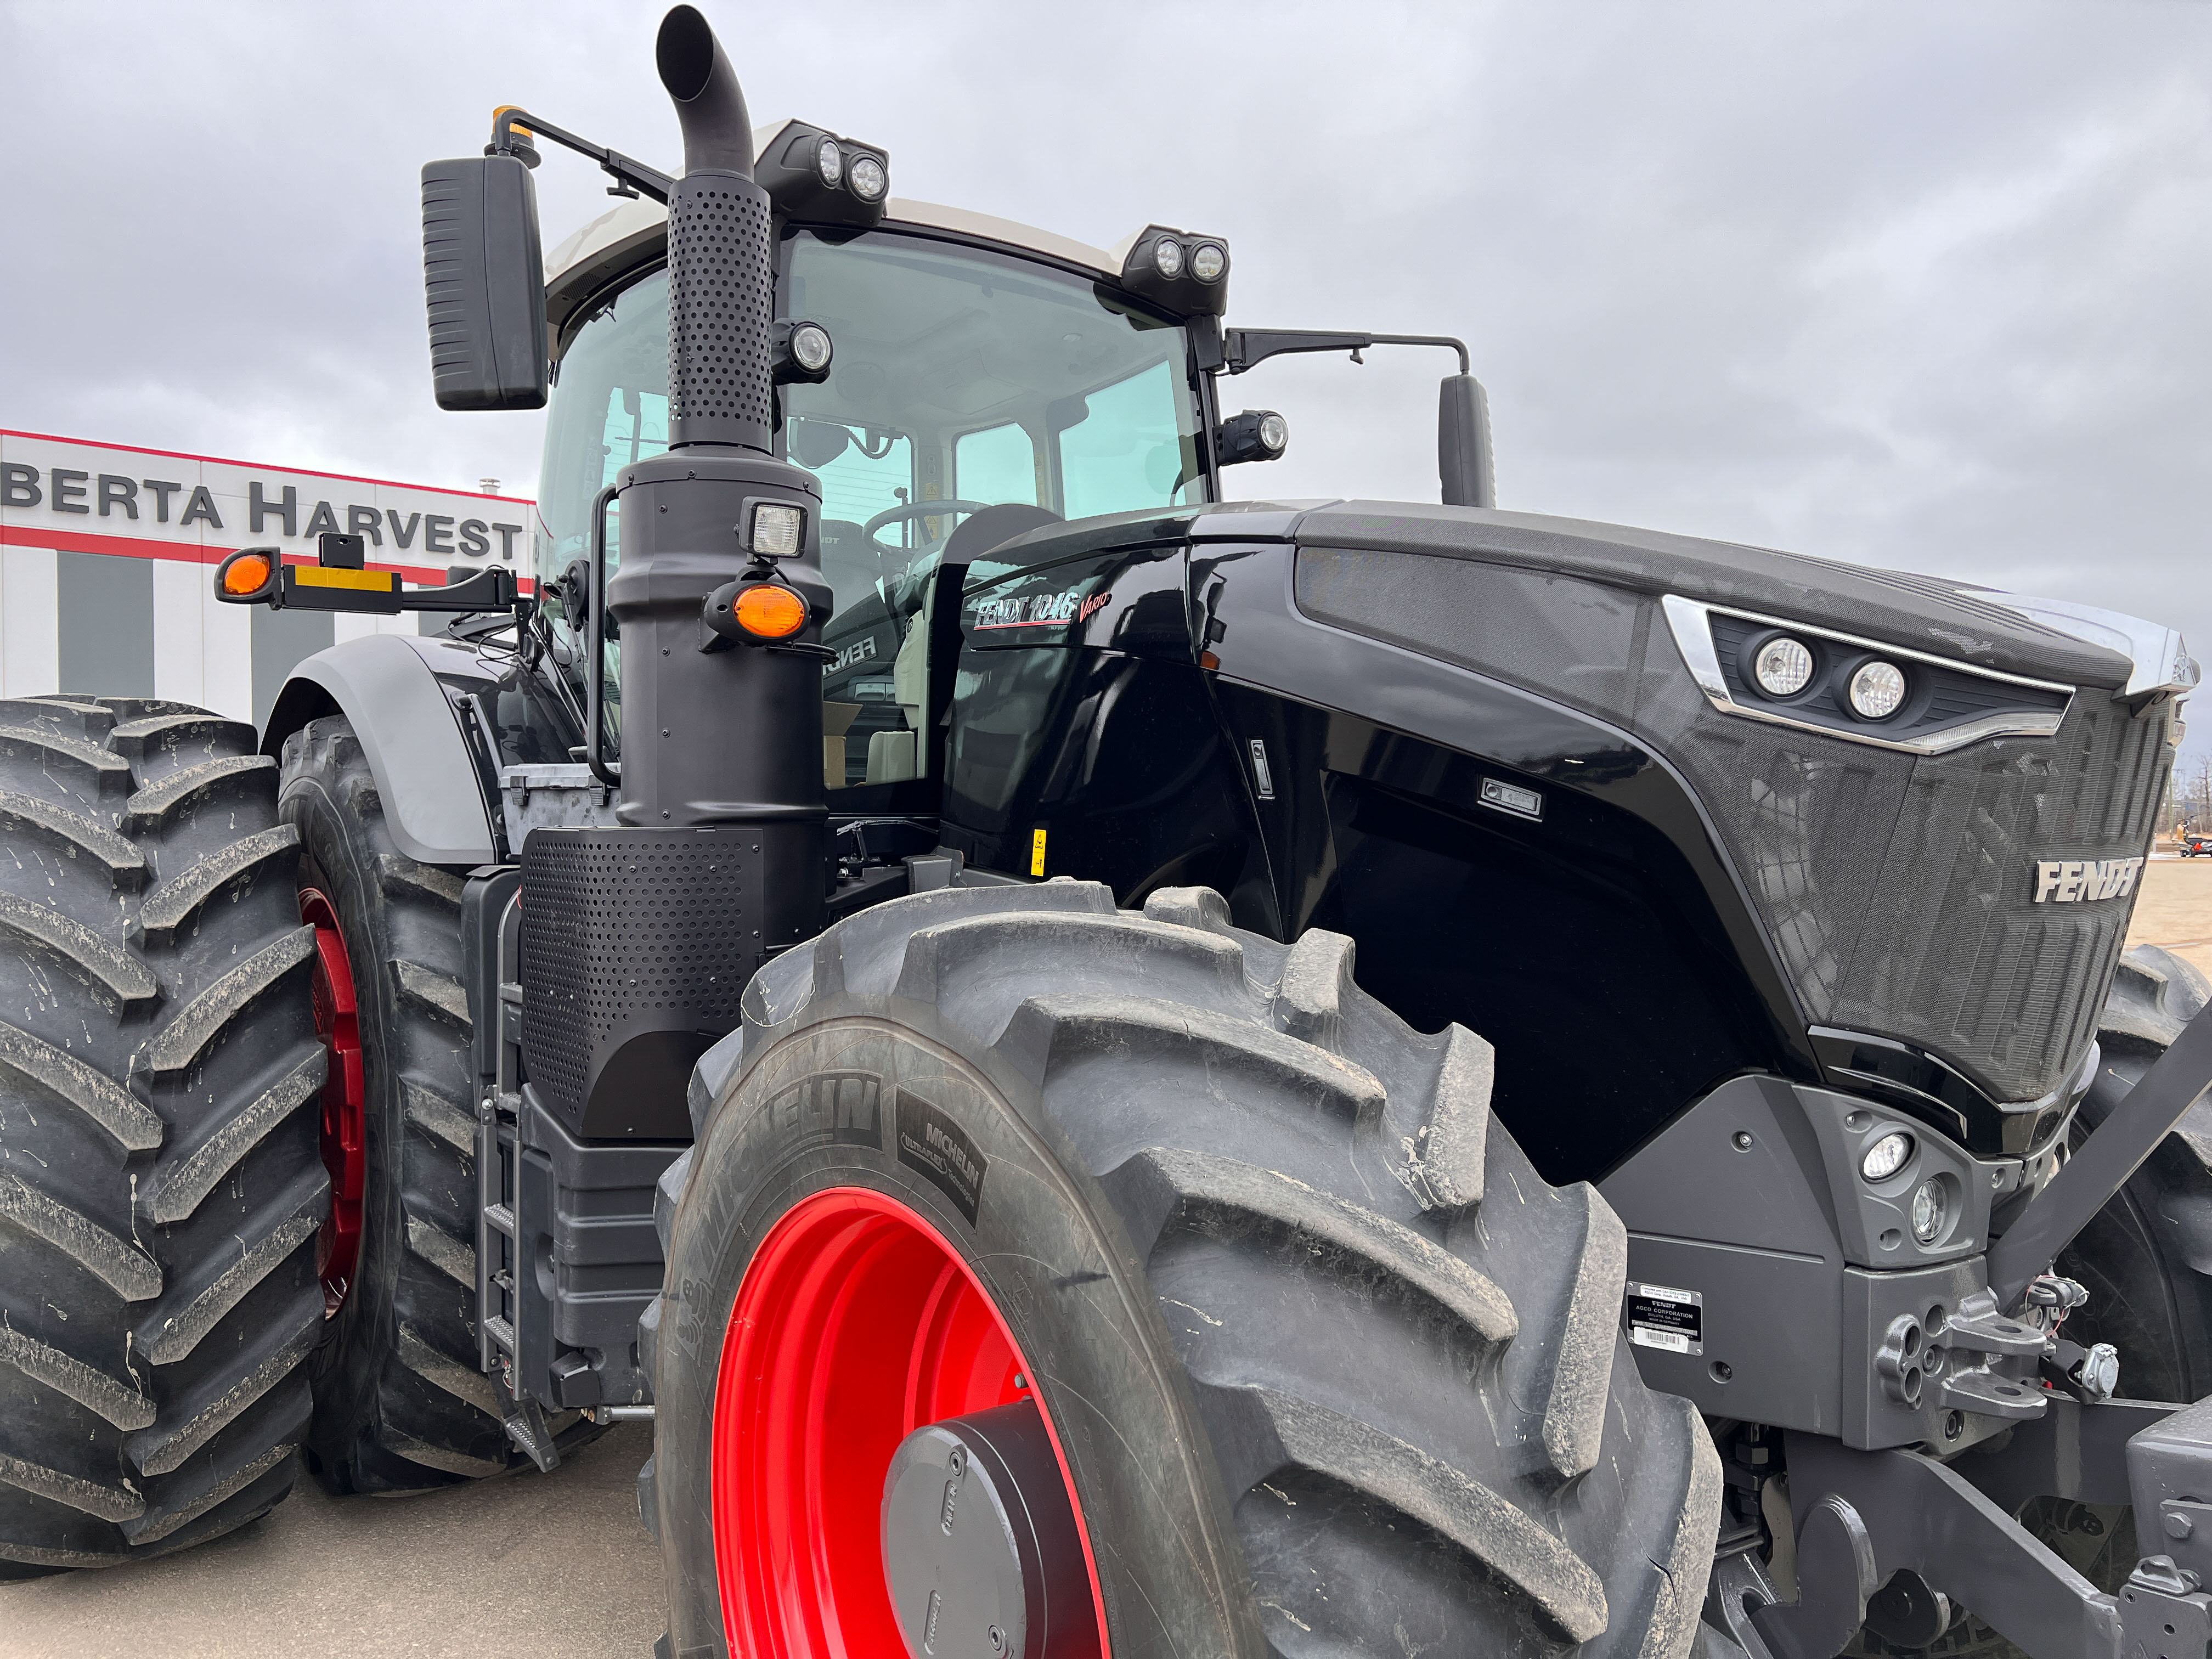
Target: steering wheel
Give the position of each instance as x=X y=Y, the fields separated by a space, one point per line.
x=909 y=510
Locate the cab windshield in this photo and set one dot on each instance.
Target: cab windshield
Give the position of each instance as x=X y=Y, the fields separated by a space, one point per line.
x=961 y=376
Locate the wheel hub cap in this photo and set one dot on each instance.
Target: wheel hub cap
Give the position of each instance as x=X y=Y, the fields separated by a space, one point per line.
x=980 y=1545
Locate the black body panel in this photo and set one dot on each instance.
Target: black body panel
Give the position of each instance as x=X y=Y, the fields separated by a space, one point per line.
x=1898 y=889
x=1582 y=944
x=1138 y=764
x=1112 y=755
x=1506 y=783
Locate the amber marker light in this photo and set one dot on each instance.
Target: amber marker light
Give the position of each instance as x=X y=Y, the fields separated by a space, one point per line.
x=248 y=574
x=769 y=611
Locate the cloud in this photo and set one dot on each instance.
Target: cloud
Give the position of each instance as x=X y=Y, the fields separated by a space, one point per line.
x=1917 y=286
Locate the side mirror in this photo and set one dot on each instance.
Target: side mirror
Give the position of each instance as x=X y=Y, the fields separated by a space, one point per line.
x=483 y=273
x=1463 y=460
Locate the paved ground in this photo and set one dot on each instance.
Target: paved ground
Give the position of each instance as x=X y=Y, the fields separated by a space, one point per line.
x=2175 y=909
x=543 y=1566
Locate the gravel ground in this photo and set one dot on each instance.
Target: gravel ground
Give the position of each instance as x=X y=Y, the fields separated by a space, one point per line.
x=2174 y=909
x=546 y=1566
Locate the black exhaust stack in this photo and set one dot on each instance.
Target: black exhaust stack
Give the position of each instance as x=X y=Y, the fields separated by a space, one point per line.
x=646 y=935
x=721 y=283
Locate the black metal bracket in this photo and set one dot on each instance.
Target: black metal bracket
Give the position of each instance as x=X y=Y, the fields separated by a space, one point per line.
x=2111 y=1154
x=631 y=178
x=337 y=585
x=1248 y=348
x=595 y=648
x=1863 y=1517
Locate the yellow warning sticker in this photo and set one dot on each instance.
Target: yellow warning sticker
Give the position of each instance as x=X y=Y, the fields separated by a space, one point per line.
x=320 y=576
x=1037 y=853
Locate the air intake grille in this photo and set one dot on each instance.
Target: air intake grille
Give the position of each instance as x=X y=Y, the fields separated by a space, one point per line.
x=721 y=301
x=627 y=932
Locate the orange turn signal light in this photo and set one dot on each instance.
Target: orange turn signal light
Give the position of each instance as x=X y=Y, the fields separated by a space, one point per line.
x=769 y=611
x=247 y=575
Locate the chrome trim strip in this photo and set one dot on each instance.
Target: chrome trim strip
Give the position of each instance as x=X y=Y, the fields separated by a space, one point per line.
x=1690 y=622
x=2159 y=655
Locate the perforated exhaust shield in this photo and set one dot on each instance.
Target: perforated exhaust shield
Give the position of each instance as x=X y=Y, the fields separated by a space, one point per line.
x=720 y=305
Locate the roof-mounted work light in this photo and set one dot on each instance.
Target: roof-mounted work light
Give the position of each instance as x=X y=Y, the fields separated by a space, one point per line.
x=823 y=178
x=1183 y=273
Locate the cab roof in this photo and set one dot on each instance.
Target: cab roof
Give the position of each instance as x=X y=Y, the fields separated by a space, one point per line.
x=632 y=231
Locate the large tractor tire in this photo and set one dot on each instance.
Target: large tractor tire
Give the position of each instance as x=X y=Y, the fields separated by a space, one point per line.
x=400 y=1402
x=1242 y=1328
x=2146 y=1259
x=161 y=1191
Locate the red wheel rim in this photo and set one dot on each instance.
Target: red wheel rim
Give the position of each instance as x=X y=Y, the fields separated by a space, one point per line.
x=345 y=1138
x=857 y=1323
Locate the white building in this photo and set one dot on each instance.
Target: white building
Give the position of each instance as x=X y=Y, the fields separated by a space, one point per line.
x=107 y=555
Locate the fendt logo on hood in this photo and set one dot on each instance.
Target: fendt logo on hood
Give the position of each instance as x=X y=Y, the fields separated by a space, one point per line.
x=2081 y=881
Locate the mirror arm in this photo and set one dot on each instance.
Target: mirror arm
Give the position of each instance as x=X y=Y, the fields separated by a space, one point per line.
x=1248 y=348
x=634 y=177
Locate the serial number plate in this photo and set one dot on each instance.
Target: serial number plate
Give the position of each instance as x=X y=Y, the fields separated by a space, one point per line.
x=1660 y=1316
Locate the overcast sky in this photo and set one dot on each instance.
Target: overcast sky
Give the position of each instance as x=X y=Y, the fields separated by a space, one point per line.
x=1921 y=284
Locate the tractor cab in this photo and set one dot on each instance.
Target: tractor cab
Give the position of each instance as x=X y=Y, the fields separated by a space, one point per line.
x=985 y=380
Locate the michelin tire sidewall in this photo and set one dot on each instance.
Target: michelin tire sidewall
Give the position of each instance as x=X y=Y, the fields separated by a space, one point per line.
x=1044 y=1243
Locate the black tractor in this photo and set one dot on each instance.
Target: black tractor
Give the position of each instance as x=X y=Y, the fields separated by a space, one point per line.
x=1117 y=1071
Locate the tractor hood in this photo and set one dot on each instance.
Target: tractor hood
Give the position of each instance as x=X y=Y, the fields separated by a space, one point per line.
x=2011 y=634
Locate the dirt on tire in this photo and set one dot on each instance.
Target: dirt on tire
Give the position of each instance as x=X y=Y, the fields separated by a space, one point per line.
x=161 y=1185
x=1336 y=1370
x=400 y=1402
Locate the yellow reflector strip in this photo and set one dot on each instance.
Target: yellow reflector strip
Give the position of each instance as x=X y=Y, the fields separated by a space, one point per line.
x=321 y=575
x=1037 y=853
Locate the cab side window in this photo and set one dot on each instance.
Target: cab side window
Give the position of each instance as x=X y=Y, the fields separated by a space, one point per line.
x=996 y=465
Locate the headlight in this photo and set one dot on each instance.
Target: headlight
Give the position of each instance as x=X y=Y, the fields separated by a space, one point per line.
x=1207 y=261
x=1167 y=257
x=776 y=529
x=1929 y=1209
x=1887 y=1156
x=1784 y=666
x=829 y=162
x=1876 y=689
x=810 y=347
x=869 y=179
x=1274 y=433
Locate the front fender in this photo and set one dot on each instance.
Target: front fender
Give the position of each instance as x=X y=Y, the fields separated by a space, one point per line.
x=386 y=685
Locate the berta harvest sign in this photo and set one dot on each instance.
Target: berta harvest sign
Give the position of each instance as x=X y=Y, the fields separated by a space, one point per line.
x=107 y=553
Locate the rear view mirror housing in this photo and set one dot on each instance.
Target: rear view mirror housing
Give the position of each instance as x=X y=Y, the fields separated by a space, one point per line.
x=483 y=276
x=1463 y=457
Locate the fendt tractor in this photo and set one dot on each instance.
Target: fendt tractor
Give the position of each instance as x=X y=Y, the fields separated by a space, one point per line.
x=1116 y=1072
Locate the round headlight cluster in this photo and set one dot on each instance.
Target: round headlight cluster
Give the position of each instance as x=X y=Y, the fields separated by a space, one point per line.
x=1784 y=666
x=869 y=179
x=1877 y=689
x=1207 y=261
x=1274 y=433
x=810 y=347
x=1887 y=1156
x=1931 y=1208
